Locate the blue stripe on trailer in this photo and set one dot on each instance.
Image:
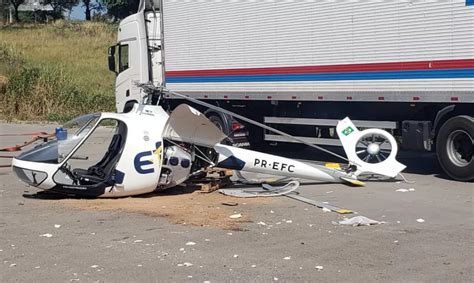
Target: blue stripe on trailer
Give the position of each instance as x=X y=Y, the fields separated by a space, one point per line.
x=355 y=76
x=469 y=2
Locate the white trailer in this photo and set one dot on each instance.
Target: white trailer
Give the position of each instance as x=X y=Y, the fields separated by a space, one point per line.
x=406 y=66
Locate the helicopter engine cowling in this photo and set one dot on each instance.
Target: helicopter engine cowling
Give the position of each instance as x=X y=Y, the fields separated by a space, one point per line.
x=176 y=167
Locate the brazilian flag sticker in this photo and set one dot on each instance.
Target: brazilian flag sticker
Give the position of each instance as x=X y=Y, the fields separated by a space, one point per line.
x=347 y=131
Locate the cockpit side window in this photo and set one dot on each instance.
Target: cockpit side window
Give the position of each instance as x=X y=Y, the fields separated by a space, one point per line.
x=95 y=159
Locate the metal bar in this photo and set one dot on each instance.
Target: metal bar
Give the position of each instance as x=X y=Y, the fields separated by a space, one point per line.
x=330 y=122
x=232 y=114
x=320 y=141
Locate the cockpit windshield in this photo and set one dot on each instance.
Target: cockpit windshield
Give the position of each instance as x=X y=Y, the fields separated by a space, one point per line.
x=67 y=137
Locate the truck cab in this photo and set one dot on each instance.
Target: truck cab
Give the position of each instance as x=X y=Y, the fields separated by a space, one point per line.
x=137 y=56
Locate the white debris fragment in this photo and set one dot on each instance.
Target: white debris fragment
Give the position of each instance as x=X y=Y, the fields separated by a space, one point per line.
x=289 y=221
x=47 y=235
x=262 y=223
x=187 y=264
x=139 y=265
x=326 y=209
x=359 y=221
x=275 y=278
x=253 y=265
x=207 y=240
x=37 y=267
x=13 y=265
x=402 y=190
x=236 y=216
x=181 y=249
x=230 y=234
x=420 y=220
x=287 y=258
x=319 y=267
x=190 y=276
x=190 y=243
x=138 y=241
x=329 y=192
x=57 y=226
x=94 y=266
x=271 y=211
x=236 y=256
x=396 y=241
x=411 y=189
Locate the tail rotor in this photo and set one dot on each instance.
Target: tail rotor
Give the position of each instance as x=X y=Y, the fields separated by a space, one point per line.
x=371 y=150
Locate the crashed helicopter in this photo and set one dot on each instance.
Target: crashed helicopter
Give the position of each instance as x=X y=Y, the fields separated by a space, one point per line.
x=147 y=149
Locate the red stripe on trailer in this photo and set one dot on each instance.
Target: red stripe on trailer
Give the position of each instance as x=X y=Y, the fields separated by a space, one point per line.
x=369 y=67
x=454 y=98
x=205 y=96
x=269 y=97
x=349 y=97
x=320 y=97
x=381 y=98
x=225 y=96
x=293 y=97
x=247 y=97
x=416 y=98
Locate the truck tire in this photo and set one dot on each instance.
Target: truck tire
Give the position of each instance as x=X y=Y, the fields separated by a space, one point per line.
x=220 y=124
x=454 y=147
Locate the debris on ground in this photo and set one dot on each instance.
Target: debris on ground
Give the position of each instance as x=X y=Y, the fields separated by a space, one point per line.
x=405 y=190
x=236 y=216
x=230 y=203
x=359 y=221
x=319 y=267
x=47 y=235
x=420 y=220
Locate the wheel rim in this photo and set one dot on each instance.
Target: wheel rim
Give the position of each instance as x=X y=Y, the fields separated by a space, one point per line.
x=373 y=148
x=459 y=148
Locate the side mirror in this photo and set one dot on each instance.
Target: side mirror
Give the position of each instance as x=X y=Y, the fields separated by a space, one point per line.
x=112 y=59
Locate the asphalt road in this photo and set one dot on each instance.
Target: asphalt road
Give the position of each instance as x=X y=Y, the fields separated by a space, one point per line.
x=115 y=246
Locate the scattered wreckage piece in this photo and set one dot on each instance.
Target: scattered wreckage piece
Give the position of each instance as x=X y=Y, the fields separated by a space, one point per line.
x=358 y=221
x=267 y=191
x=213 y=180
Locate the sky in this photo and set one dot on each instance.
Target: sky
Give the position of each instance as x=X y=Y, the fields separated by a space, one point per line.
x=77 y=13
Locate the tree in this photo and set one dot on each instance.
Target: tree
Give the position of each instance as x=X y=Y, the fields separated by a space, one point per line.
x=92 y=5
x=16 y=4
x=120 y=9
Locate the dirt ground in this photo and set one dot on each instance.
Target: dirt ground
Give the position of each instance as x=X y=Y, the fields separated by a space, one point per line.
x=180 y=205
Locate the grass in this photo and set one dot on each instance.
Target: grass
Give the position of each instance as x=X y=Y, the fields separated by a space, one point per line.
x=55 y=71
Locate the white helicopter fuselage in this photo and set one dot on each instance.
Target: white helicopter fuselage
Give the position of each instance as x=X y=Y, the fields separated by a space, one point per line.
x=150 y=150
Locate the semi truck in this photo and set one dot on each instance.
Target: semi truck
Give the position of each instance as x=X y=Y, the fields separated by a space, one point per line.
x=405 y=66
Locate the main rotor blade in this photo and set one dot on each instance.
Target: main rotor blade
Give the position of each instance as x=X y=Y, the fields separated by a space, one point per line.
x=232 y=114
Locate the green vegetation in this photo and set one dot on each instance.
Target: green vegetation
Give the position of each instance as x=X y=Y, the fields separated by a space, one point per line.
x=55 y=71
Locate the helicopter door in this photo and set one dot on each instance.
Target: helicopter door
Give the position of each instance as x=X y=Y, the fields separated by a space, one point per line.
x=92 y=166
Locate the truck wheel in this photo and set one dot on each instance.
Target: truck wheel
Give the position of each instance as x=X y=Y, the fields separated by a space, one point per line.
x=220 y=124
x=454 y=148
